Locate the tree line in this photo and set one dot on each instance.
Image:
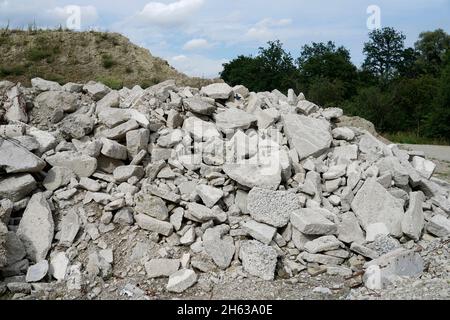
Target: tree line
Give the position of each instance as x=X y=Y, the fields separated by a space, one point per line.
x=403 y=90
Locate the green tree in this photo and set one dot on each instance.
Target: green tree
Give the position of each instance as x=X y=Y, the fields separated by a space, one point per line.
x=432 y=47
x=384 y=52
x=438 y=118
x=243 y=70
x=278 y=68
x=331 y=65
x=272 y=68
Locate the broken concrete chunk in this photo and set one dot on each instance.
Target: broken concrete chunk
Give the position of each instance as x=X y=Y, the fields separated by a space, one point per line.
x=439 y=226
x=310 y=137
x=36 y=228
x=424 y=167
x=151 y=224
x=233 y=119
x=37 y=272
x=258 y=259
x=151 y=206
x=218 y=246
x=80 y=164
x=16 y=187
x=70 y=225
x=217 y=91
x=209 y=195
x=312 y=222
x=325 y=243
x=10 y=152
x=413 y=220
x=181 y=280
x=272 y=207
x=373 y=203
x=260 y=231
x=156 y=268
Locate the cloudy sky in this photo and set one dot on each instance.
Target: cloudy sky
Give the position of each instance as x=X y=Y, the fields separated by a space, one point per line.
x=198 y=36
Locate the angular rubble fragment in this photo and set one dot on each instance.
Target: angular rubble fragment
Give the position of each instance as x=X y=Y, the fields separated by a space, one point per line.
x=209 y=195
x=36 y=228
x=197 y=105
x=156 y=268
x=325 y=243
x=218 y=246
x=37 y=272
x=439 y=226
x=151 y=224
x=413 y=220
x=424 y=167
x=400 y=262
x=181 y=280
x=80 y=164
x=373 y=204
x=151 y=206
x=260 y=231
x=272 y=207
x=233 y=119
x=217 y=91
x=310 y=137
x=258 y=259
x=10 y=152
x=16 y=187
x=312 y=222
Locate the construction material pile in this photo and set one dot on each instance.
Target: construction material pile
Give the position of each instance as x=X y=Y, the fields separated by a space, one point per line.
x=218 y=175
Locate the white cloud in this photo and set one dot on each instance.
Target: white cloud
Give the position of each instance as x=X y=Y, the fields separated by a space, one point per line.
x=197 y=44
x=180 y=57
x=198 y=65
x=174 y=13
x=266 y=29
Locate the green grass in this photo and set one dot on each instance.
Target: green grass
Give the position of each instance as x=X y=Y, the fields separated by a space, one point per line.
x=37 y=54
x=108 y=61
x=113 y=83
x=14 y=70
x=413 y=138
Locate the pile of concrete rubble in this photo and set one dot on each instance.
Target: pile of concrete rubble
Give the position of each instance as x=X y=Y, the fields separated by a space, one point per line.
x=272 y=183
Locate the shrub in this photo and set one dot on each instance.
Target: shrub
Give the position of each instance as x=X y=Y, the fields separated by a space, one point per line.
x=108 y=61
x=113 y=83
x=15 y=70
x=37 y=54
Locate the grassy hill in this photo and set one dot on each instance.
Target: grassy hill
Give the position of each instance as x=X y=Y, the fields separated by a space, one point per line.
x=68 y=56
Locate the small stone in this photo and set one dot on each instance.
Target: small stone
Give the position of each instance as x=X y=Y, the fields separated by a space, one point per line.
x=260 y=231
x=37 y=272
x=258 y=259
x=156 y=268
x=312 y=222
x=439 y=226
x=324 y=243
x=209 y=195
x=124 y=217
x=151 y=224
x=413 y=221
x=58 y=266
x=181 y=280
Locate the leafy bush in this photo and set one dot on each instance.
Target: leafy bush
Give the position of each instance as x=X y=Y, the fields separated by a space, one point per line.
x=108 y=61
x=15 y=70
x=37 y=54
x=113 y=83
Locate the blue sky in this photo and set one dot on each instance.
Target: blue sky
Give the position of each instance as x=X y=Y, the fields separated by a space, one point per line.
x=197 y=36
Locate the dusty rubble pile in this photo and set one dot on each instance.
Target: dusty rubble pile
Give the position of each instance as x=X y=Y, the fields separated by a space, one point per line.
x=269 y=181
